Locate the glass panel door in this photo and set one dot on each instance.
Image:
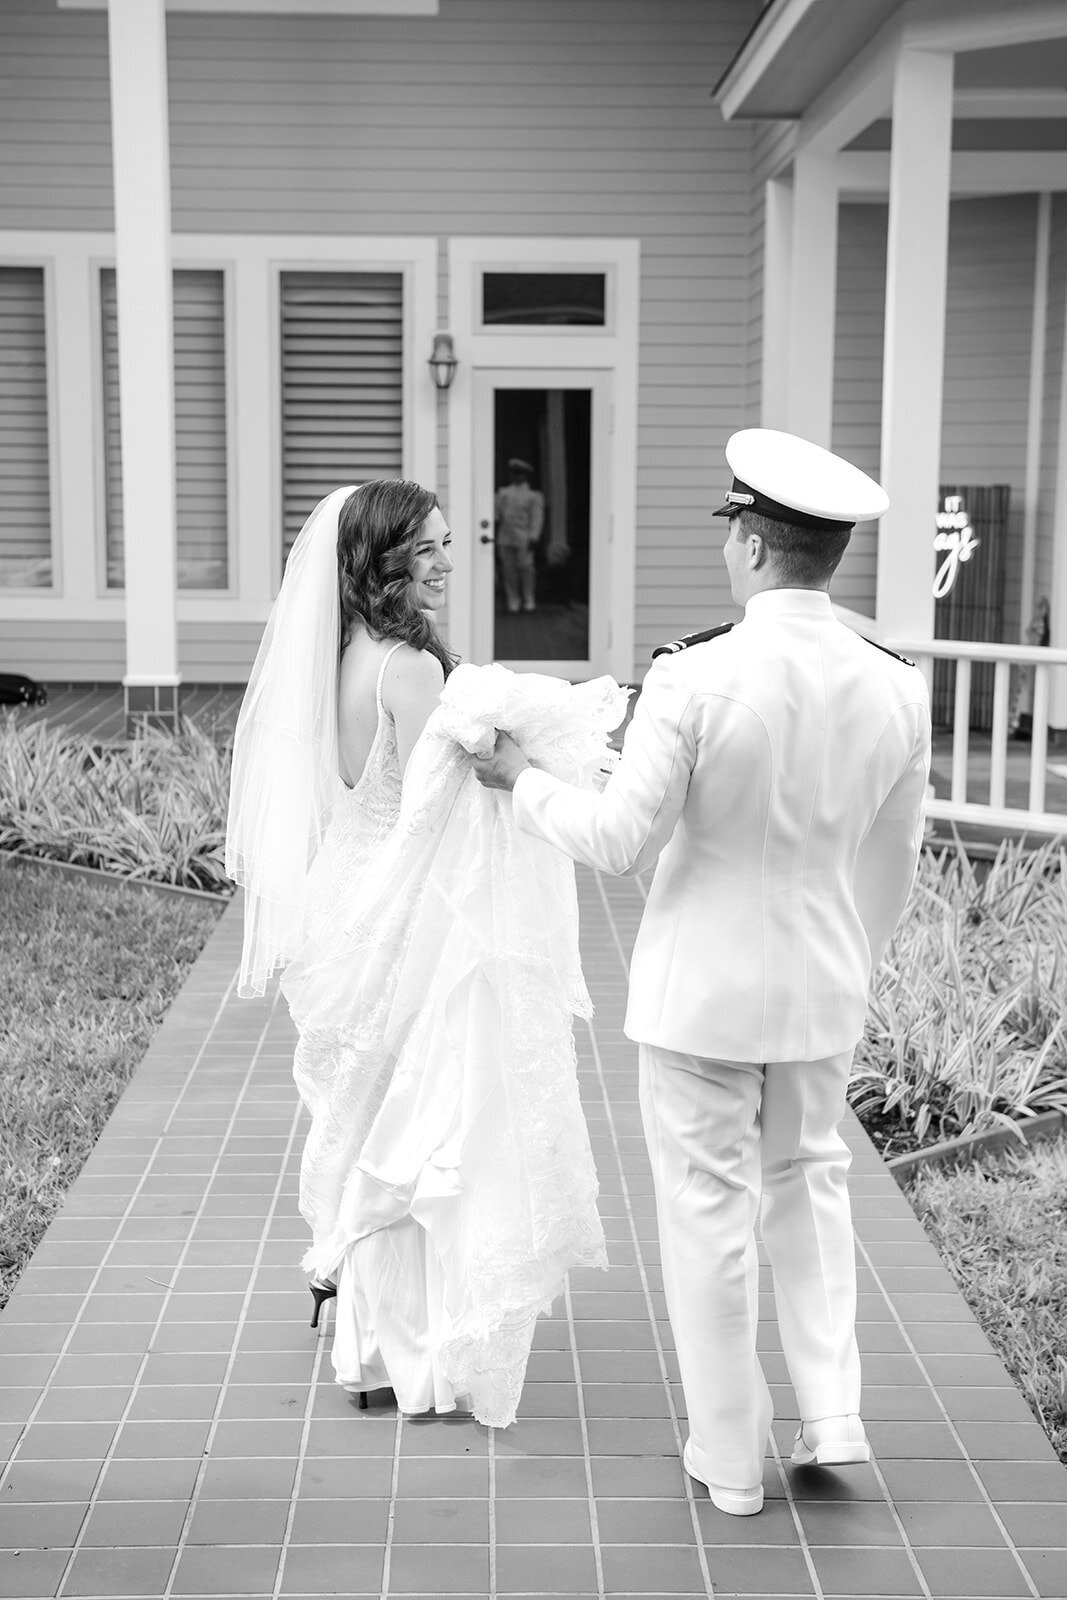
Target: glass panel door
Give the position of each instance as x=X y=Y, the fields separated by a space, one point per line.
x=541 y=519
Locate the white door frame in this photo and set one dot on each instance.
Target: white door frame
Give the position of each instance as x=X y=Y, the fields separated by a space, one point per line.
x=535 y=351
x=486 y=383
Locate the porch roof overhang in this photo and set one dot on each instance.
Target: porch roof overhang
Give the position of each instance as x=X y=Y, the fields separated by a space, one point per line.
x=826 y=65
x=793 y=51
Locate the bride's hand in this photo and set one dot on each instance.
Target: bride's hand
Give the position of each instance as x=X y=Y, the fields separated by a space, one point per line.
x=500 y=770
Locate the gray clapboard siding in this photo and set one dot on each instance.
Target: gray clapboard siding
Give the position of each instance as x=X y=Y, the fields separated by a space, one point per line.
x=95 y=652
x=548 y=117
x=214 y=652
x=25 y=490
x=200 y=429
x=987 y=354
x=71 y=651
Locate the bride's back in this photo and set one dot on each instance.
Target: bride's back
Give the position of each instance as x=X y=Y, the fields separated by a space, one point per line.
x=357 y=701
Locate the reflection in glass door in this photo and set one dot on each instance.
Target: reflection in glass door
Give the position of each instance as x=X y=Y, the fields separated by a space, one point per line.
x=538 y=495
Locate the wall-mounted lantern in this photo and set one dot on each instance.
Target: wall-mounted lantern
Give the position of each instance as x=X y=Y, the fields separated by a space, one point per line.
x=443 y=361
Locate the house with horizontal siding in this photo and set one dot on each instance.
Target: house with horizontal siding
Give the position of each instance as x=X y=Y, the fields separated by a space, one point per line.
x=233 y=234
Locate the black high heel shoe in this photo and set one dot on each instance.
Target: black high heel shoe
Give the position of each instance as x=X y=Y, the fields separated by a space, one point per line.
x=320 y=1292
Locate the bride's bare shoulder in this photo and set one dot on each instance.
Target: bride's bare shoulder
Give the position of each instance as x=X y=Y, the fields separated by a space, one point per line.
x=411 y=676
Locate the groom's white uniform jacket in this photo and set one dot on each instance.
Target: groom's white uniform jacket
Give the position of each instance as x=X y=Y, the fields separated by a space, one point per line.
x=778 y=771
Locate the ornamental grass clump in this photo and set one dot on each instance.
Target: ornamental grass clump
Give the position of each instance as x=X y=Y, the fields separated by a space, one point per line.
x=967 y=1029
x=154 y=809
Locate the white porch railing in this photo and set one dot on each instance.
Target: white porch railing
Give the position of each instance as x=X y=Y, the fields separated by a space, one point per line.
x=994 y=812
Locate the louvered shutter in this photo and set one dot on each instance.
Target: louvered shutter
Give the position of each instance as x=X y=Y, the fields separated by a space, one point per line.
x=342 y=373
x=25 y=500
x=199 y=429
x=109 y=326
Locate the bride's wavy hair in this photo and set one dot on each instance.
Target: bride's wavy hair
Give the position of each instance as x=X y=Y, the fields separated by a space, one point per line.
x=378 y=531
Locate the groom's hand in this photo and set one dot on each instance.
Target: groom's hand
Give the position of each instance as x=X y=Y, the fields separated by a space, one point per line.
x=500 y=770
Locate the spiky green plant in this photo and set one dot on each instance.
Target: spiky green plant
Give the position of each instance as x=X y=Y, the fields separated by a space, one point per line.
x=967 y=1029
x=153 y=809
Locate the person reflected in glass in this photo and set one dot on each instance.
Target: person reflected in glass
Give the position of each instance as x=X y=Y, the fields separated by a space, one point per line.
x=520 y=518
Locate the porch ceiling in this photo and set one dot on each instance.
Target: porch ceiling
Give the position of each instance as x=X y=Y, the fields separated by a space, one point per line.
x=1039 y=65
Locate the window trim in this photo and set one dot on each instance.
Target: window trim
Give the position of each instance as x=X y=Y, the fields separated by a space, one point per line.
x=416 y=337
x=576 y=346
x=71 y=260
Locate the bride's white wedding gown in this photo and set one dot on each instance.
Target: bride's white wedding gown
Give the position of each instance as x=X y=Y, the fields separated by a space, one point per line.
x=447 y=1175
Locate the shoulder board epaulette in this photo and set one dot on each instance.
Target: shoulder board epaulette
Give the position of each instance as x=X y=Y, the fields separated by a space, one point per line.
x=690 y=638
x=886 y=650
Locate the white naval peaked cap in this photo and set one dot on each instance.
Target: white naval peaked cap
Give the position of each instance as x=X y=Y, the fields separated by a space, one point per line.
x=792 y=480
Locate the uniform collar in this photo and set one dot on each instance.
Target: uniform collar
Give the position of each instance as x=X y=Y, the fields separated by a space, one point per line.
x=811 y=603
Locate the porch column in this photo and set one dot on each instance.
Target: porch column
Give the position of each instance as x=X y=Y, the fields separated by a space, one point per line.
x=917 y=262
x=137 y=38
x=1057 y=710
x=777 y=273
x=812 y=297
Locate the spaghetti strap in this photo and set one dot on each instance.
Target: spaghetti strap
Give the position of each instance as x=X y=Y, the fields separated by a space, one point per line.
x=381 y=676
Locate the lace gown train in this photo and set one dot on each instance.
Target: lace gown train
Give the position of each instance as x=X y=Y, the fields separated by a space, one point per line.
x=447 y=1176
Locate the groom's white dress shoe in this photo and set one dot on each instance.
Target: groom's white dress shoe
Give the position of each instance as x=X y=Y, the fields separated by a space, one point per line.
x=831 y=1442
x=736 y=1502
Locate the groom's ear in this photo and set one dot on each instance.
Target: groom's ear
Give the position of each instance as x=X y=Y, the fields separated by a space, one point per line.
x=757 y=551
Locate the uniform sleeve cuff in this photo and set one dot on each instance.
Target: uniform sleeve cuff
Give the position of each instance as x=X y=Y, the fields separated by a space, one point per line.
x=528 y=785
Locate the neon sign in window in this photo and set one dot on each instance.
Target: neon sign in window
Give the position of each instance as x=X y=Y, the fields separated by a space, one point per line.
x=956 y=538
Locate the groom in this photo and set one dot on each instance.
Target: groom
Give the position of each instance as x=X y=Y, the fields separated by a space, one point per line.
x=777 y=769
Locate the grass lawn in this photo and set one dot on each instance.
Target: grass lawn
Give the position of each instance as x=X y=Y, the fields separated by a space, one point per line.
x=89 y=971
x=1000 y=1224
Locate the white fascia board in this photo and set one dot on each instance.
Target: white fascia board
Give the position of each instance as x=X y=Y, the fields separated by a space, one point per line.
x=864 y=174
x=962 y=25
x=286 y=8
x=768 y=39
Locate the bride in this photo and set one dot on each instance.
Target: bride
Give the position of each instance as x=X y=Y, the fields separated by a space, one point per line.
x=430 y=956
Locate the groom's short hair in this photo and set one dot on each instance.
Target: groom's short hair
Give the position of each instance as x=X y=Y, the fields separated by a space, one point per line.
x=802 y=556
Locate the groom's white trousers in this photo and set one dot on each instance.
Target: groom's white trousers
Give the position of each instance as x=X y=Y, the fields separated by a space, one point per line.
x=722 y=1135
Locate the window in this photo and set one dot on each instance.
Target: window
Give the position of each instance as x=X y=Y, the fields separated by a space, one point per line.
x=200 y=430
x=543 y=298
x=342 y=385
x=25 y=497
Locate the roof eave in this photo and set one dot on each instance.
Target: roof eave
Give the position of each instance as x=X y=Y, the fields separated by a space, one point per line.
x=768 y=35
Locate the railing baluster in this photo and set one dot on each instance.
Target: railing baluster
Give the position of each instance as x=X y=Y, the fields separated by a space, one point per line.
x=998 y=770
x=1039 y=739
x=961 y=732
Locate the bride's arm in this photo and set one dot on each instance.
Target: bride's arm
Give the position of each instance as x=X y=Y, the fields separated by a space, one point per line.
x=411 y=689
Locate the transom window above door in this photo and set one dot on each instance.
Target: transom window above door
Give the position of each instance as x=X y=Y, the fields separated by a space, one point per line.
x=544 y=299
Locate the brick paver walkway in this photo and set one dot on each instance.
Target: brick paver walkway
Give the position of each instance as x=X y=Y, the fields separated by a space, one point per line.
x=173 y=1428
